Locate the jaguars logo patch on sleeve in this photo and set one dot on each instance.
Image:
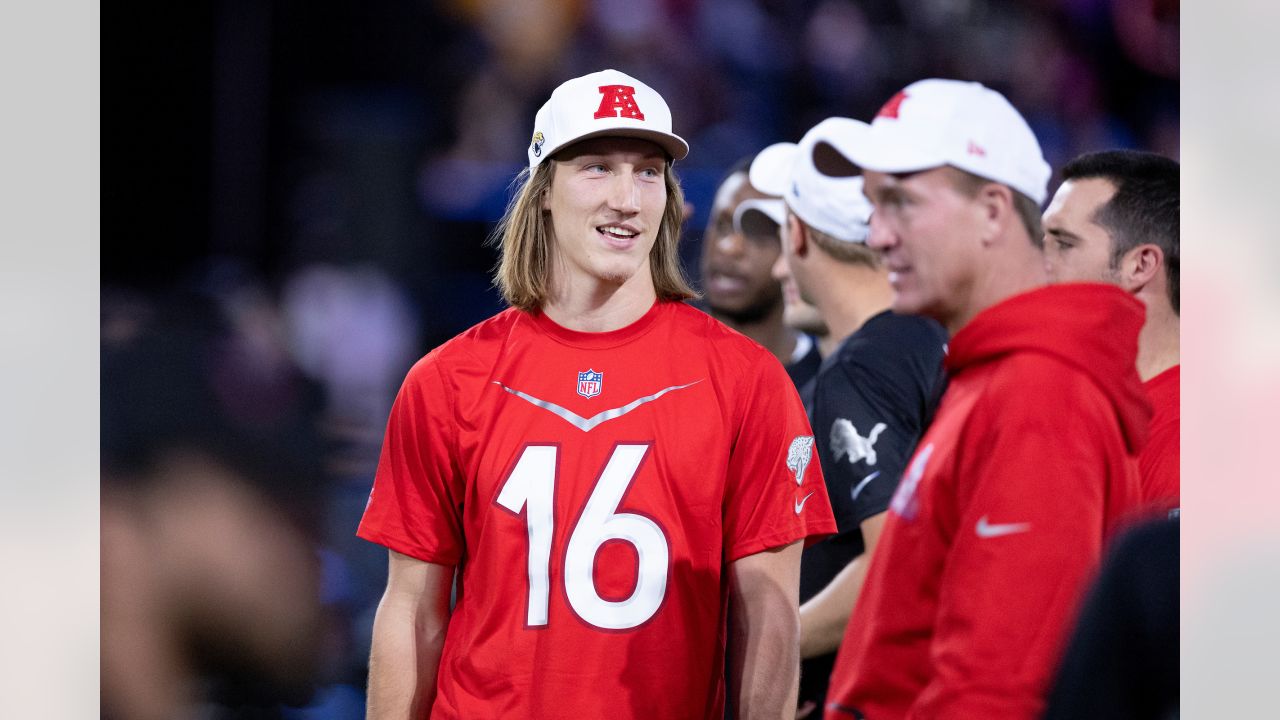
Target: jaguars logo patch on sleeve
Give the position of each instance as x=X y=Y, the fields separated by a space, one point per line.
x=799 y=455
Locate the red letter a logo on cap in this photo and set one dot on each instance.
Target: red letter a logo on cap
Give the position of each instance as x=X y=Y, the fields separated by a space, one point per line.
x=618 y=101
x=890 y=109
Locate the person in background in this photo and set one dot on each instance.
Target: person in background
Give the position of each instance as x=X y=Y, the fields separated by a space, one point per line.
x=1114 y=219
x=872 y=397
x=737 y=284
x=1122 y=660
x=211 y=580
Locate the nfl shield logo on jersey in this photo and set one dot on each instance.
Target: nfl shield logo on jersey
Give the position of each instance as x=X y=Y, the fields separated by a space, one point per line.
x=589 y=383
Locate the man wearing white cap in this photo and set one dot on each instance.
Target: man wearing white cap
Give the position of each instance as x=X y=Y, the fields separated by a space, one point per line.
x=738 y=285
x=1028 y=467
x=763 y=219
x=600 y=470
x=872 y=397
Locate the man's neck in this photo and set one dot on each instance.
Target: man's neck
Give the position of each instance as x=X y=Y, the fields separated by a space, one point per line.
x=592 y=305
x=828 y=343
x=849 y=295
x=1159 y=342
x=769 y=331
x=1010 y=271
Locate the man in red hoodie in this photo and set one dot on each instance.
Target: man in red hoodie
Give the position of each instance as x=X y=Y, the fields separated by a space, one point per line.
x=1028 y=466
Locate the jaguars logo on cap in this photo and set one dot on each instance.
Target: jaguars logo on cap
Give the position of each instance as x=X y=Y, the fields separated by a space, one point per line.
x=538 y=140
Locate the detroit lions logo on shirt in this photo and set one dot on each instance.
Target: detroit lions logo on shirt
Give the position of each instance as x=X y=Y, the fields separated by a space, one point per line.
x=799 y=455
x=845 y=440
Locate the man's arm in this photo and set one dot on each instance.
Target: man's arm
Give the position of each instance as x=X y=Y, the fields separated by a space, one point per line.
x=1023 y=550
x=874 y=403
x=764 y=672
x=408 y=636
x=824 y=617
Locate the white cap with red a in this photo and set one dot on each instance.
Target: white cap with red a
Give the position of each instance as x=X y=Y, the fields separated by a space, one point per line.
x=966 y=125
x=604 y=103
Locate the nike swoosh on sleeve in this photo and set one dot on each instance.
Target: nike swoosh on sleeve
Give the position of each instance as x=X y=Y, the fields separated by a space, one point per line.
x=985 y=529
x=800 y=503
x=587 y=424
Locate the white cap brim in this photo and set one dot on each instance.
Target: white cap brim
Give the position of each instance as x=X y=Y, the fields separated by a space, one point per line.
x=673 y=145
x=773 y=210
x=880 y=148
x=771 y=169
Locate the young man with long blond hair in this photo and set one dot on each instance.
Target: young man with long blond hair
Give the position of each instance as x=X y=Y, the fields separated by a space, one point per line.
x=602 y=470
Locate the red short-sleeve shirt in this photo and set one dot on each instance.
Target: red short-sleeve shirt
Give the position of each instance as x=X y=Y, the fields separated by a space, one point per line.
x=1158 y=464
x=593 y=487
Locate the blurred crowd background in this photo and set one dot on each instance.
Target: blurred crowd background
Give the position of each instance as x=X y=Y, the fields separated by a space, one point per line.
x=323 y=175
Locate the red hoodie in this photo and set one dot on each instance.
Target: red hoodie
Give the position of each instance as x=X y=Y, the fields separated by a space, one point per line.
x=1001 y=516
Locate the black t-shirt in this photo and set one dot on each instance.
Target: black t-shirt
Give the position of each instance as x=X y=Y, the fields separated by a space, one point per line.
x=869 y=404
x=806 y=367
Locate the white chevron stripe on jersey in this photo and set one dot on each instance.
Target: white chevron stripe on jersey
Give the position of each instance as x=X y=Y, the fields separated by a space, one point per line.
x=587 y=424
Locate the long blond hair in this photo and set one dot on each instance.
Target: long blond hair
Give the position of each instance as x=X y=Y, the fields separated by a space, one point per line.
x=522 y=237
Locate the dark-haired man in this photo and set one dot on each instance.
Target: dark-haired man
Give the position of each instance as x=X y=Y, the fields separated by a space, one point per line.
x=1114 y=219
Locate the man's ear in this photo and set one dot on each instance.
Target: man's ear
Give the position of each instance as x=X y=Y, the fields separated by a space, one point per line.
x=996 y=210
x=1140 y=266
x=797 y=240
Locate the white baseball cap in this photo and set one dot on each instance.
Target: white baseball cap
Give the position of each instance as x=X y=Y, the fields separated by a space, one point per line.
x=966 y=125
x=773 y=210
x=609 y=103
x=833 y=205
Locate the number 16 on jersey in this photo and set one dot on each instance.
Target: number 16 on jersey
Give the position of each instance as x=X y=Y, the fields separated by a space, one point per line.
x=531 y=487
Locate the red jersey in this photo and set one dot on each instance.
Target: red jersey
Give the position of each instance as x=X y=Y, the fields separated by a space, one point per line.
x=1000 y=519
x=593 y=488
x=1158 y=463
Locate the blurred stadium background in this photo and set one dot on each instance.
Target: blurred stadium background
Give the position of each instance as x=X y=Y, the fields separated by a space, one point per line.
x=326 y=172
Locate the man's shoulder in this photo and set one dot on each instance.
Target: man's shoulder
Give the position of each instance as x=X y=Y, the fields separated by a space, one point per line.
x=694 y=319
x=889 y=336
x=1023 y=373
x=901 y=328
x=1164 y=392
x=479 y=343
x=891 y=345
x=726 y=342
x=1033 y=384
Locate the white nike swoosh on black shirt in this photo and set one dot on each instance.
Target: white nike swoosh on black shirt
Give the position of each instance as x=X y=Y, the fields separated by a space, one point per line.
x=587 y=424
x=858 y=488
